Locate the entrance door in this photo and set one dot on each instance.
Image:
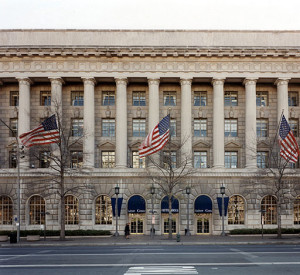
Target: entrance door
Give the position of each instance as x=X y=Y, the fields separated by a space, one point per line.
x=203 y=223
x=136 y=223
x=165 y=223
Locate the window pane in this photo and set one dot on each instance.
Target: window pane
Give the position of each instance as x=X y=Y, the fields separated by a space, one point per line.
x=14 y=127
x=230 y=127
x=108 y=159
x=262 y=127
x=294 y=126
x=200 y=159
x=77 y=127
x=37 y=210
x=76 y=159
x=169 y=98
x=108 y=127
x=6 y=210
x=269 y=206
x=139 y=127
x=231 y=159
x=173 y=127
x=200 y=98
x=71 y=210
x=45 y=98
x=103 y=210
x=139 y=99
x=44 y=159
x=108 y=98
x=14 y=98
x=236 y=210
x=77 y=98
x=261 y=99
x=138 y=162
x=231 y=98
x=293 y=98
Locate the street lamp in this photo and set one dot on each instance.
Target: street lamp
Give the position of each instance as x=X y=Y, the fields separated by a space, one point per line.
x=222 y=191
x=153 y=217
x=188 y=192
x=117 y=192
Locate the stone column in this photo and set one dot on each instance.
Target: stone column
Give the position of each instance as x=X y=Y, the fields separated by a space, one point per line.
x=24 y=112
x=121 y=122
x=218 y=123
x=250 y=117
x=186 y=119
x=153 y=103
x=89 y=123
x=56 y=96
x=282 y=98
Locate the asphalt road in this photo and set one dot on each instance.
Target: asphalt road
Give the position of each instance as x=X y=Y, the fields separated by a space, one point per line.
x=158 y=259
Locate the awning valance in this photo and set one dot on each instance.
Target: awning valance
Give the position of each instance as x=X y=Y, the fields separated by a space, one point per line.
x=165 y=205
x=136 y=204
x=203 y=204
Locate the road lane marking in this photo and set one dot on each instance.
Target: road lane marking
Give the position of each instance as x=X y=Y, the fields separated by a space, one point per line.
x=247 y=254
x=144 y=270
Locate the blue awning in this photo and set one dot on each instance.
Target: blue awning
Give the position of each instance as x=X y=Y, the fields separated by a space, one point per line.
x=203 y=204
x=165 y=205
x=136 y=204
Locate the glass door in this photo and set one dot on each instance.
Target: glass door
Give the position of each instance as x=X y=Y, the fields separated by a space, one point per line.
x=203 y=223
x=136 y=224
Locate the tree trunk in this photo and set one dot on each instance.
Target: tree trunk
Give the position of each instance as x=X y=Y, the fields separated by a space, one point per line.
x=62 y=210
x=170 y=218
x=279 y=236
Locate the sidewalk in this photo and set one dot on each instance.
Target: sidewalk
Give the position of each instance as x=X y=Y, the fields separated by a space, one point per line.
x=158 y=240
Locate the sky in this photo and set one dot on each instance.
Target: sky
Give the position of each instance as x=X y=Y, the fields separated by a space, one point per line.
x=151 y=14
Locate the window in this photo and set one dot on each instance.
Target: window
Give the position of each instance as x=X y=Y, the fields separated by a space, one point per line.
x=297 y=210
x=200 y=98
x=14 y=98
x=169 y=159
x=103 y=210
x=200 y=127
x=231 y=99
x=261 y=99
x=262 y=159
x=231 y=127
x=200 y=159
x=44 y=159
x=45 y=98
x=71 y=210
x=261 y=127
x=169 y=98
x=108 y=159
x=294 y=126
x=293 y=99
x=108 y=98
x=236 y=210
x=269 y=206
x=77 y=127
x=108 y=127
x=173 y=127
x=231 y=159
x=138 y=98
x=77 y=98
x=138 y=162
x=76 y=159
x=12 y=159
x=13 y=124
x=6 y=210
x=139 y=127
x=36 y=210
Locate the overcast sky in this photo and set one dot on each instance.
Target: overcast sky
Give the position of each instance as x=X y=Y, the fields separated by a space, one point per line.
x=150 y=14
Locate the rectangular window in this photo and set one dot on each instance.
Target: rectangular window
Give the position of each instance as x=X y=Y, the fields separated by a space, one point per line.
x=294 y=126
x=200 y=98
x=14 y=98
x=173 y=127
x=77 y=98
x=200 y=159
x=108 y=98
x=169 y=159
x=231 y=127
x=13 y=124
x=231 y=98
x=139 y=127
x=76 y=159
x=262 y=159
x=45 y=98
x=231 y=159
x=262 y=128
x=200 y=127
x=77 y=127
x=12 y=159
x=44 y=159
x=138 y=98
x=261 y=99
x=108 y=127
x=138 y=162
x=108 y=159
x=169 y=98
x=293 y=99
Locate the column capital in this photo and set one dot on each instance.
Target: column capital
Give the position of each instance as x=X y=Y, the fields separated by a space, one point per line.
x=89 y=80
x=249 y=81
x=218 y=81
x=281 y=81
x=186 y=81
x=153 y=81
x=121 y=81
x=56 y=80
x=24 y=81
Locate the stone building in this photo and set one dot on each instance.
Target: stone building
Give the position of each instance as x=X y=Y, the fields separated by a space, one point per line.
x=225 y=91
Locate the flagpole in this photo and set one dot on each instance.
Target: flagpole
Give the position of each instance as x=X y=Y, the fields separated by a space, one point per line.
x=276 y=135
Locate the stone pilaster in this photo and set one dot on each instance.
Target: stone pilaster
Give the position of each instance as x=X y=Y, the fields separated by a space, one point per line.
x=121 y=122
x=218 y=123
x=250 y=117
x=282 y=98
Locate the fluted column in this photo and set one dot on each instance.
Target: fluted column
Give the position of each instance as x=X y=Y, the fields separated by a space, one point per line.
x=24 y=111
x=186 y=118
x=121 y=122
x=218 y=123
x=282 y=98
x=56 y=96
x=153 y=103
x=89 y=123
x=250 y=117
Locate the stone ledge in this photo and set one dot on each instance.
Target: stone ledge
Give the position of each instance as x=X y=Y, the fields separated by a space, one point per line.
x=4 y=238
x=33 y=238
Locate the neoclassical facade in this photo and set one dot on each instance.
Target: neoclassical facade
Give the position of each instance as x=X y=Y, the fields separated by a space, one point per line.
x=225 y=91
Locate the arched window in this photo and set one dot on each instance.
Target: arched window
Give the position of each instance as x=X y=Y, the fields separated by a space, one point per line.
x=36 y=210
x=72 y=210
x=236 y=210
x=103 y=210
x=6 y=210
x=269 y=207
x=297 y=210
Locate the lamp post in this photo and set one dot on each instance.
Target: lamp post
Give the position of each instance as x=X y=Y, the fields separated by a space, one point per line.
x=222 y=191
x=153 y=217
x=45 y=222
x=188 y=192
x=117 y=192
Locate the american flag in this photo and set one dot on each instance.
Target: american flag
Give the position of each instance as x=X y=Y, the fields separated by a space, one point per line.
x=156 y=139
x=45 y=133
x=289 y=147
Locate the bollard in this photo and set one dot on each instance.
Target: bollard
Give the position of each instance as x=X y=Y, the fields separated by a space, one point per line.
x=178 y=237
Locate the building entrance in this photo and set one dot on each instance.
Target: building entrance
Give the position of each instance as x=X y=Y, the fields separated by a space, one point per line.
x=203 y=223
x=136 y=223
x=165 y=223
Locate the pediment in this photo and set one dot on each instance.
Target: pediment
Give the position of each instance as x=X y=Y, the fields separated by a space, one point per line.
x=135 y=144
x=11 y=144
x=106 y=144
x=232 y=144
x=201 y=144
x=263 y=144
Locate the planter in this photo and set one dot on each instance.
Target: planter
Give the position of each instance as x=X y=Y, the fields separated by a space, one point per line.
x=32 y=238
